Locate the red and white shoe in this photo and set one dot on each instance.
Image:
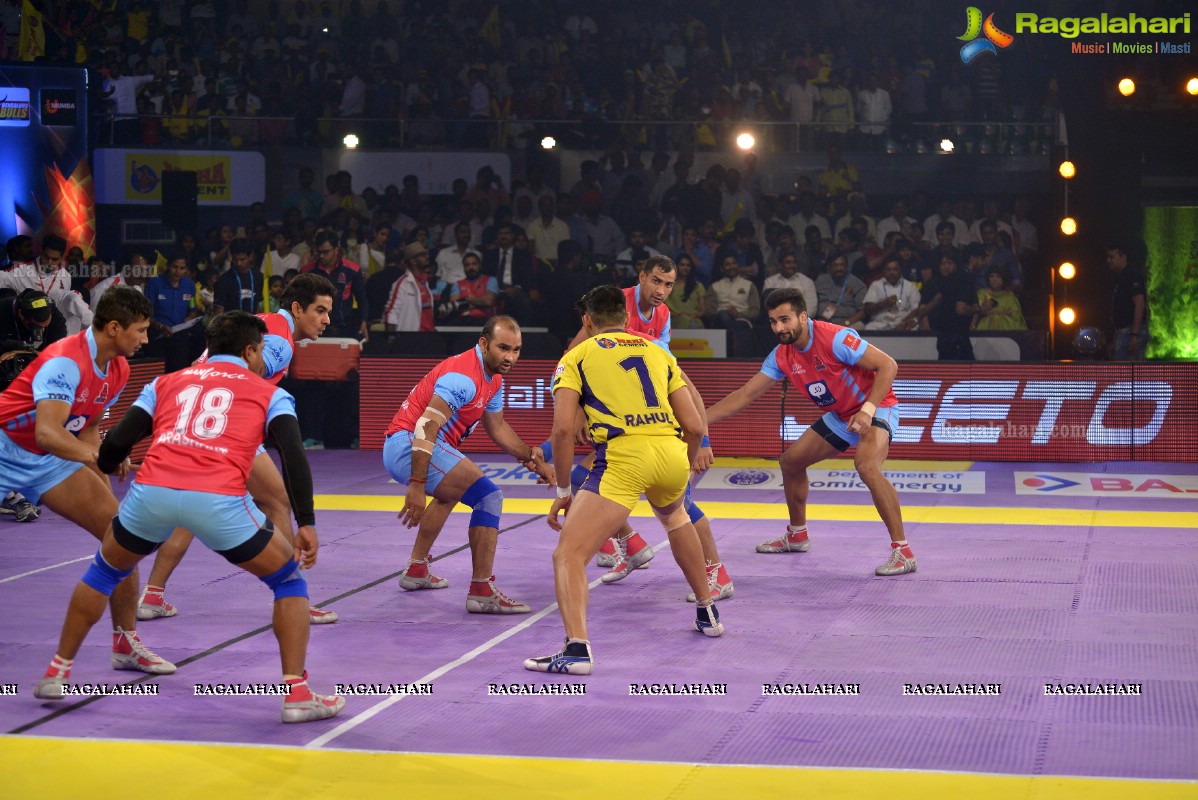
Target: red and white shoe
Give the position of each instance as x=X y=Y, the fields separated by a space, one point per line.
x=634 y=553
x=318 y=616
x=304 y=705
x=787 y=543
x=901 y=561
x=153 y=605
x=129 y=653
x=50 y=687
x=607 y=553
x=416 y=576
x=484 y=598
x=718 y=584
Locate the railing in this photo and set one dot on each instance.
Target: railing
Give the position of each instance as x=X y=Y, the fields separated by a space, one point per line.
x=980 y=138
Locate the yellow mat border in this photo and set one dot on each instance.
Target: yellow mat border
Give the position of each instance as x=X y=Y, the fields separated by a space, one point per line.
x=99 y=769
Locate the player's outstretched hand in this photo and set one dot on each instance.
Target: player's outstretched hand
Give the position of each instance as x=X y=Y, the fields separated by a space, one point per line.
x=537 y=465
x=413 y=506
x=560 y=505
x=703 y=461
x=305 y=545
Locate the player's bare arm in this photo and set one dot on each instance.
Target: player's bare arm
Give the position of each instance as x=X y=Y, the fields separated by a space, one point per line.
x=423 y=439
x=565 y=411
x=884 y=369
x=739 y=400
x=51 y=434
x=510 y=442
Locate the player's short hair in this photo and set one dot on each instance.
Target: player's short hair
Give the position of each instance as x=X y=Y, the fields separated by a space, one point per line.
x=780 y=297
x=304 y=289
x=232 y=332
x=123 y=305
x=240 y=246
x=606 y=306
x=54 y=242
x=494 y=322
x=664 y=263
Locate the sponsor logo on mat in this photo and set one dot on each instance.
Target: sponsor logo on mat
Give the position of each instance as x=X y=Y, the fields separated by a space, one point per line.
x=556 y=689
x=847 y=480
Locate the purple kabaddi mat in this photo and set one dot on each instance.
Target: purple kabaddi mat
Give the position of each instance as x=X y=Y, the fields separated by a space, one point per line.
x=992 y=603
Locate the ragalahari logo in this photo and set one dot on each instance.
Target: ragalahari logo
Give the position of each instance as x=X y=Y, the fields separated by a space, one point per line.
x=974 y=27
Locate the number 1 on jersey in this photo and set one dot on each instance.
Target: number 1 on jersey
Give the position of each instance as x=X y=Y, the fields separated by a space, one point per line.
x=642 y=371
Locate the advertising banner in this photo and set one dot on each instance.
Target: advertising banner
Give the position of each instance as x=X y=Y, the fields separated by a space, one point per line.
x=989 y=412
x=223 y=178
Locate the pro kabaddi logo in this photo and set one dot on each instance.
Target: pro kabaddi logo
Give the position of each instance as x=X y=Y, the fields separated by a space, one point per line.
x=974 y=27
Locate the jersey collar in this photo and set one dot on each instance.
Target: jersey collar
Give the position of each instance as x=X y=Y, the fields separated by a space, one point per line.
x=638 y=306
x=478 y=352
x=810 y=336
x=227 y=359
x=92 y=351
x=285 y=314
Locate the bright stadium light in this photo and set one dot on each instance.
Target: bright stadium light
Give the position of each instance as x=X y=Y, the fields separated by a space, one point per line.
x=1127 y=87
x=746 y=141
x=947 y=146
x=350 y=141
x=1067 y=271
x=1067 y=316
x=1068 y=226
x=1067 y=170
x=548 y=143
x=1192 y=86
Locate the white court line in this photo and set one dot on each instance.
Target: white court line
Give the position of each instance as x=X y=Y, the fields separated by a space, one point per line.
x=43 y=569
x=353 y=722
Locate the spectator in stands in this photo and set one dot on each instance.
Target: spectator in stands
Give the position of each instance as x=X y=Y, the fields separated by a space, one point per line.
x=239 y=289
x=836 y=111
x=1129 y=306
x=789 y=277
x=699 y=254
x=737 y=304
x=450 y=259
x=372 y=254
x=841 y=294
x=892 y=303
x=547 y=231
x=305 y=198
x=857 y=209
x=998 y=307
x=517 y=275
x=813 y=257
x=943 y=215
x=638 y=250
x=805 y=214
x=873 y=113
x=474 y=295
x=949 y=302
x=1000 y=256
x=604 y=234
x=343 y=196
x=898 y=217
x=350 y=306
x=411 y=305
x=281 y=256
x=742 y=247
x=688 y=301
x=172 y=296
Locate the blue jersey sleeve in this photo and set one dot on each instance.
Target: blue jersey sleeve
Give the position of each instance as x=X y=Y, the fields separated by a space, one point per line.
x=496 y=403
x=455 y=389
x=281 y=404
x=57 y=379
x=770 y=366
x=666 y=331
x=848 y=347
x=276 y=353
x=147 y=401
x=493 y=285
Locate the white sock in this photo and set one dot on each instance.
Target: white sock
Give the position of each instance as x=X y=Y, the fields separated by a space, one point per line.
x=796 y=528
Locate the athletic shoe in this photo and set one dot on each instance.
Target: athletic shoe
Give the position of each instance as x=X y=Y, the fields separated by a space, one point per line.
x=707 y=621
x=607 y=553
x=50 y=687
x=492 y=601
x=573 y=659
x=901 y=561
x=414 y=583
x=303 y=705
x=633 y=553
x=20 y=508
x=129 y=653
x=318 y=616
x=787 y=543
x=718 y=582
x=152 y=605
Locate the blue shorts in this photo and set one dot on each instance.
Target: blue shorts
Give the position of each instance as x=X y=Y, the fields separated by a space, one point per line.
x=220 y=521
x=886 y=418
x=29 y=473
x=397 y=459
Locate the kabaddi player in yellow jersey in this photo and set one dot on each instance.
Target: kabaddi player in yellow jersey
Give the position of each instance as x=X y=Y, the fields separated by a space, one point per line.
x=635 y=401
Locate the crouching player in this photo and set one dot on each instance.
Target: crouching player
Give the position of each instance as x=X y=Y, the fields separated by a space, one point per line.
x=207 y=422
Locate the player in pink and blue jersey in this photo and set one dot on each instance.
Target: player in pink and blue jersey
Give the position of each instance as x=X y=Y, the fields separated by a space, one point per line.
x=850 y=378
x=421 y=450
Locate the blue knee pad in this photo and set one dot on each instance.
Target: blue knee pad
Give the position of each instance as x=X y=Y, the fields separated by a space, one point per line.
x=487 y=501
x=287 y=581
x=103 y=577
x=578 y=476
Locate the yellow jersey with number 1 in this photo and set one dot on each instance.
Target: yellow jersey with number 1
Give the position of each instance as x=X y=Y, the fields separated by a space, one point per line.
x=624 y=382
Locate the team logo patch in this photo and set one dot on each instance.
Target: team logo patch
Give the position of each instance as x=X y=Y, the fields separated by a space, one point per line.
x=819 y=364
x=102 y=397
x=820 y=394
x=605 y=343
x=852 y=342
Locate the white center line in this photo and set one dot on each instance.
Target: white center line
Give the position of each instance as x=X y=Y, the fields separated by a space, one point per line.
x=353 y=722
x=43 y=569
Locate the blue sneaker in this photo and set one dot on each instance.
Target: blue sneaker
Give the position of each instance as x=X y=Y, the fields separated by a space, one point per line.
x=24 y=511
x=574 y=659
x=707 y=621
